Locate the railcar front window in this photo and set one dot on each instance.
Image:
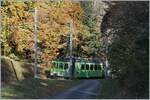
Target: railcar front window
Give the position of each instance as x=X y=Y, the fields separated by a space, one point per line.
x=61 y=65
x=54 y=64
x=57 y=65
x=82 y=67
x=66 y=66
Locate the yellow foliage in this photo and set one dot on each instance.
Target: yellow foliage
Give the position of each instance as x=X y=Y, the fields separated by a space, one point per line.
x=52 y=22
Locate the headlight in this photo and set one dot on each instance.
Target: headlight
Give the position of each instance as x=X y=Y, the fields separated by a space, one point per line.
x=52 y=74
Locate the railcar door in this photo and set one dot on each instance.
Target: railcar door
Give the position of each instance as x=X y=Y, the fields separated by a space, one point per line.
x=91 y=72
x=87 y=70
x=81 y=70
x=66 y=70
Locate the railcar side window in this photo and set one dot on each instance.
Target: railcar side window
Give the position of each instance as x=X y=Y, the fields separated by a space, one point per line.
x=82 y=67
x=99 y=67
x=87 y=67
x=95 y=67
x=91 y=67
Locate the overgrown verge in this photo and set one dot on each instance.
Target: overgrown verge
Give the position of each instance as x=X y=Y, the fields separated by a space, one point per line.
x=35 y=88
x=113 y=89
x=110 y=89
x=13 y=70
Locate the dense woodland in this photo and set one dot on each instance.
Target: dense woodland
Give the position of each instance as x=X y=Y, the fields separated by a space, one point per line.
x=129 y=50
x=122 y=35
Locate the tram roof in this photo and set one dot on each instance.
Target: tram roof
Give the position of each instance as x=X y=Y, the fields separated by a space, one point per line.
x=78 y=59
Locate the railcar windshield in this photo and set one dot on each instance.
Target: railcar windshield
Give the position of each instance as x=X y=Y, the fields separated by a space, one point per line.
x=61 y=65
x=65 y=66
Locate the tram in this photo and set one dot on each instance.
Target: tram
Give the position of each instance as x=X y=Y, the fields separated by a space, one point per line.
x=77 y=68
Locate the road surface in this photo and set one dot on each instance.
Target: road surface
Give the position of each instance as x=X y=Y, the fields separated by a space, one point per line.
x=87 y=89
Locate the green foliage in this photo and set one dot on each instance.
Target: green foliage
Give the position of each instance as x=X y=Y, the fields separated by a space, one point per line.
x=89 y=19
x=89 y=45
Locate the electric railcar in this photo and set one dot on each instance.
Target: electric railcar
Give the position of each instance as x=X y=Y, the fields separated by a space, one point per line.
x=81 y=68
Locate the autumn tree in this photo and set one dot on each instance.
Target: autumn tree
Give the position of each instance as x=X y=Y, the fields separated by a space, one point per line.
x=90 y=44
x=53 y=16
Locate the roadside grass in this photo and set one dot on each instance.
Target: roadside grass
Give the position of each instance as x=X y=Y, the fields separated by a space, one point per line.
x=110 y=89
x=35 y=88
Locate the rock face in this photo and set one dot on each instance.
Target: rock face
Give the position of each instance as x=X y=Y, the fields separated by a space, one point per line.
x=7 y=71
x=13 y=70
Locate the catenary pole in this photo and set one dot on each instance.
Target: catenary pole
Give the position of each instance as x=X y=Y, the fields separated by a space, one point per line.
x=0 y=44
x=70 y=48
x=35 y=41
x=106 y=60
